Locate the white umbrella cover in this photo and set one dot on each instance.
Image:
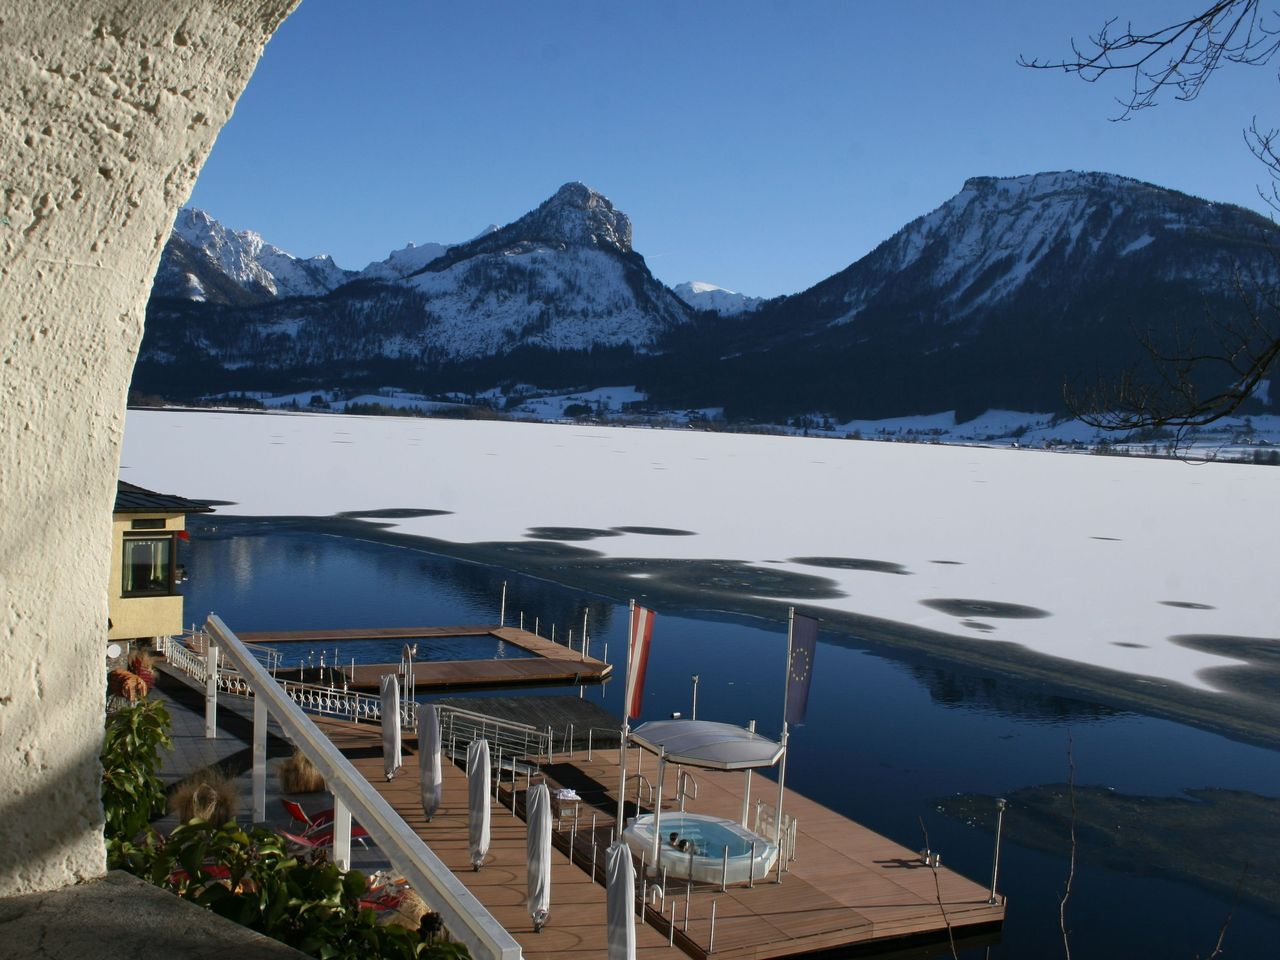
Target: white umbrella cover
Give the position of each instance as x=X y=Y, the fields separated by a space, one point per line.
x=620 y=880
x=429 y=775
x=391 y=757
x=478 y=800
x=539 y=855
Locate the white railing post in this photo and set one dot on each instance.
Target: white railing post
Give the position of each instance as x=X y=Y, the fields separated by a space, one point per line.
x=341 y=834
x=465 y=918
x=211 y=692
x=259 y=759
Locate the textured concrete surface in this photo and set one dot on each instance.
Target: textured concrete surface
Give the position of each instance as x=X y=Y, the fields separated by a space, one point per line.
x=108 y=109
x=119 y=917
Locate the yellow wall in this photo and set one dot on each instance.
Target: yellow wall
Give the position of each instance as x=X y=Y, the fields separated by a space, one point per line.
x=133 y=617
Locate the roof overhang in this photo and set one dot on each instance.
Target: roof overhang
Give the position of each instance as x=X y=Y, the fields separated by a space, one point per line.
x=707 y=744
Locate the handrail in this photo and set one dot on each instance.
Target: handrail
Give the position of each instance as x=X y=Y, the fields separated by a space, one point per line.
x=313 y=697
x=463 y=915
x=506 y=737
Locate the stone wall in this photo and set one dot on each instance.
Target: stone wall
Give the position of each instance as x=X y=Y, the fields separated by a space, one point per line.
x=107 y=112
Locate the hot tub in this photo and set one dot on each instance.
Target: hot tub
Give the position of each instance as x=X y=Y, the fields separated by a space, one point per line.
x=708 y=837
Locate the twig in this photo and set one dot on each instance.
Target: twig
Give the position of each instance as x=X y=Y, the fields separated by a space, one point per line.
x=1235 y=902
x=932 y=864
x=1071 y=869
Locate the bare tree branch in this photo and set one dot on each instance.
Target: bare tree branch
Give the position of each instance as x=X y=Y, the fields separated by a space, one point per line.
x=1180 y=56
x=1071 y=869
x=931 y=861
x=1179 y=59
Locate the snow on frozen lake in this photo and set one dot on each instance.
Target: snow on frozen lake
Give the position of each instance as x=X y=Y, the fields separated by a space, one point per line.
x=1122 y=553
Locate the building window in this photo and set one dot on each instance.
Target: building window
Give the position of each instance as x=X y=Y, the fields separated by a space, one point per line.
x=148 y=566
x=147 y=523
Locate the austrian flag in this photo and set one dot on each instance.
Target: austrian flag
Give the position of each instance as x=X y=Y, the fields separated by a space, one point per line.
x=637 y=658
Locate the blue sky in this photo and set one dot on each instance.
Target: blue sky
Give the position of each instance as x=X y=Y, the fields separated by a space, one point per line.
x=758 y=145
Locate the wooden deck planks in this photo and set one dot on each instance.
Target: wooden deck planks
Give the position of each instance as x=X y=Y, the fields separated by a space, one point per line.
x=553 y=663
x=848 y=885
x=576 y=928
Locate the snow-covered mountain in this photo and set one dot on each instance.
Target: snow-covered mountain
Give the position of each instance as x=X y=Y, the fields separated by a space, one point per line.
x=994 y=300
x=561 y=278
x=1010 y=291
x=707 y=296
x=204 y=261
x=404 y=262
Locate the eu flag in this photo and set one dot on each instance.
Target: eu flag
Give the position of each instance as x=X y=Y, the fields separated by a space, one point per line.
x=804 y=640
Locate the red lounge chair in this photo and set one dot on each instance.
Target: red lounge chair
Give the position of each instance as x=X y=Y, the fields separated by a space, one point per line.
x=309 y=824
x=324 y=837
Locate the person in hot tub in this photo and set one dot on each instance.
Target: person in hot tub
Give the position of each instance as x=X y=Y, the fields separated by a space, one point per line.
x=674 y=839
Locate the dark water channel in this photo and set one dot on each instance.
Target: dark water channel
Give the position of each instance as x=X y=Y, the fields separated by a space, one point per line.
x=884 y=741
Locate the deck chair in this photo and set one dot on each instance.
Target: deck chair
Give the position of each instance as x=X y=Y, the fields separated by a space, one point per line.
x=309 y=824
x=323 y=837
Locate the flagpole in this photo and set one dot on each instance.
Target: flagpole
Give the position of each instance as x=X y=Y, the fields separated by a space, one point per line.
x=782 y=769
x=626 y=707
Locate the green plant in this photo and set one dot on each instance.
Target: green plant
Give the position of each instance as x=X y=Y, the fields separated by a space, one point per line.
x=310 y=905
x=131 y=790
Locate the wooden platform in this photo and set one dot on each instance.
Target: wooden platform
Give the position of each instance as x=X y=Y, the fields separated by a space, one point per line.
x=552 y=664
x=849 y=887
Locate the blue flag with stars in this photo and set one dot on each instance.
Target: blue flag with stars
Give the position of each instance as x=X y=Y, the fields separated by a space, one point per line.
x=804 y=640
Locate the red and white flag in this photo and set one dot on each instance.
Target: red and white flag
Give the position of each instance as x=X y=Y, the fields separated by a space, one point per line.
x=637 y=658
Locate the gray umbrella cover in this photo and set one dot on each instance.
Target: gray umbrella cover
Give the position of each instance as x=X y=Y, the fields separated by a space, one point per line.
x=391 y=758
x=620 y=880
x=539 y=855
x=429 y=775
x=478 y=800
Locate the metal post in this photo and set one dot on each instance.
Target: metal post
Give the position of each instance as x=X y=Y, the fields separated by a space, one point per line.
x=782 y=769
x=553 y=633
x=502 y=610
x=688 y=895
x=259 y=759
x=589 y=731
x=535 y=627
x=657 y=806
x=711 y=940
x=573 y=831
x=1001 y=804
x=644 y=885
x=671 y=932
x=751 y=867
x=211 y=692
x=594 y=845
x=622 y=741
x=521 y=619
x=497 y=780
x=585 y=641
x=606 y=651
x=571 y=639
x=693 y=714
x=724 y=871
x=341 y=834
x=746 y=790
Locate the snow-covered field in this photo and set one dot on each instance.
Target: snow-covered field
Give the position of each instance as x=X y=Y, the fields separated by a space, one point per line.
x=1103 y=544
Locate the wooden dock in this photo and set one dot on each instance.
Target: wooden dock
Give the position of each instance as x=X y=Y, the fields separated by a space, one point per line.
x=552 y=663
x=848 y=888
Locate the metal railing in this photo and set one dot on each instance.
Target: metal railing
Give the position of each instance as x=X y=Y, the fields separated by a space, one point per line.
x=463 y=915
x=507 y=738
x=188 y=655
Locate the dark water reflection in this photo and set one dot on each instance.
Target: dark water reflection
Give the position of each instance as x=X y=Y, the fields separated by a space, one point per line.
x=884 y=739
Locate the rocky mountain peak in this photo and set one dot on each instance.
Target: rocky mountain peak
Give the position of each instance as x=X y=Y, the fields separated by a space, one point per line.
x=578 y=216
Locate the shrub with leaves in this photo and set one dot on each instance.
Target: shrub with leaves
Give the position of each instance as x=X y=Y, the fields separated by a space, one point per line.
x=132 y=792
x=249 y=877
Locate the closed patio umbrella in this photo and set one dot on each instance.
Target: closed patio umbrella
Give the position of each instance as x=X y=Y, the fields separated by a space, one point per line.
x=539 y=855
x=429 y=776
x=478 y=801
x=620 y=879
x=391 y=758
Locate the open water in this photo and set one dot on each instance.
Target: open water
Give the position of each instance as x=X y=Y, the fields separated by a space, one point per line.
x=885 y=738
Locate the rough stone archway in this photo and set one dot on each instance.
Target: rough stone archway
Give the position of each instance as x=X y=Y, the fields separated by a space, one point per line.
x=108 y=110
